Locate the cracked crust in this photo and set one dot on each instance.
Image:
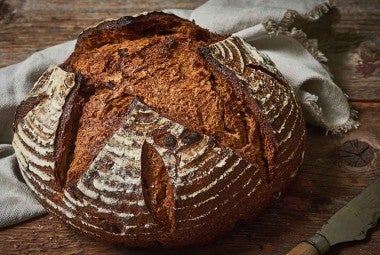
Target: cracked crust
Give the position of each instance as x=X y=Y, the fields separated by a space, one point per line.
x=165 y=129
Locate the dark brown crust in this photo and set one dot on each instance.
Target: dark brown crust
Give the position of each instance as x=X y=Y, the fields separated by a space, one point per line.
x=26 y=106
x=157 y=188
x=273 y=75
x=66 y=132
x=269 y=180
x=266 y=135
x=125 y=23
x=133 y=27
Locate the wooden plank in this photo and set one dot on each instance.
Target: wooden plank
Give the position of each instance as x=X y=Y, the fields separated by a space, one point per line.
x=353 y=49
x=331 y=175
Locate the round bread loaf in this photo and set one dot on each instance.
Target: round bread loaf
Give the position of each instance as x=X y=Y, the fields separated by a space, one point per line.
x=155 y=130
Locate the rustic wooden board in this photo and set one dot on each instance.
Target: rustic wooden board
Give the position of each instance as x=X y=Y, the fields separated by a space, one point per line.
x=335 y=169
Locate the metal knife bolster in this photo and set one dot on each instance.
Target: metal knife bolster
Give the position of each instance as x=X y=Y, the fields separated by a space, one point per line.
x=320 y=243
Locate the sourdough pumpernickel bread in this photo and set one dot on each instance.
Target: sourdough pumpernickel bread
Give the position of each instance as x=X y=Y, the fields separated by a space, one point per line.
x=157 y=131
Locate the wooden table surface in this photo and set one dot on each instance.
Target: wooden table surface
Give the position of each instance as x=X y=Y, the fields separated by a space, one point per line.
x=335 y=169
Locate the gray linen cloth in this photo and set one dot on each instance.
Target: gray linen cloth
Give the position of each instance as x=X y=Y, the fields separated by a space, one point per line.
x=266 y=24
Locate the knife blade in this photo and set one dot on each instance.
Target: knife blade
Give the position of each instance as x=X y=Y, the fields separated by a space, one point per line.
x=350 y=223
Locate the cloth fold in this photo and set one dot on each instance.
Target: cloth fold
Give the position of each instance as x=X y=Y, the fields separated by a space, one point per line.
x=16 y=201
x=269 y=25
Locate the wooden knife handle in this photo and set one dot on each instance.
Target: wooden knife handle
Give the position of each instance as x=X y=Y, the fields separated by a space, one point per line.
x=304 y=249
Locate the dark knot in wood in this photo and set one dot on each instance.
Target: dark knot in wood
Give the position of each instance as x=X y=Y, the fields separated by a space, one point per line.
x=355 y=153
x=369 y=57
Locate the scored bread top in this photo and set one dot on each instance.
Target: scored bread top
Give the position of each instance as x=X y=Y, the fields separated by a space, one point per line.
x=161 y=65
x=161 y=129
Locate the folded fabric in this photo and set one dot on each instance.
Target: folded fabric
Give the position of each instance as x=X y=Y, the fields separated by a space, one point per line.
x=267 y=25
x=16 y=201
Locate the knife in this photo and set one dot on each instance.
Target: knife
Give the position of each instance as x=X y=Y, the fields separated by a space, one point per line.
x=348 y=224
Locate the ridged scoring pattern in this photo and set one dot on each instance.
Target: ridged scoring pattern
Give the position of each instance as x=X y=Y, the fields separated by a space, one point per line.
x=114 y=178
x=202 y=173
x=37 y=130
x=275 y=98
x=35 y=134
x=210 y=182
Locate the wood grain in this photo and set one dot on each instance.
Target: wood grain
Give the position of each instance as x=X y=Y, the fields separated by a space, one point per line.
x=304 y=249
x=327 y=179
x=353 y=49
